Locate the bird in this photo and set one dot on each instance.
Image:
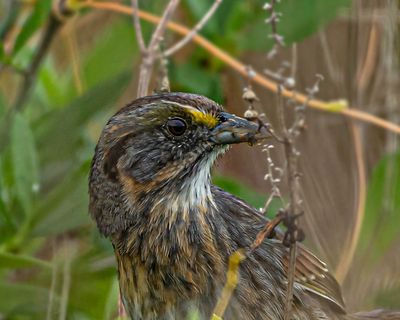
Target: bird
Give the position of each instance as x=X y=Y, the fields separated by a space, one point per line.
x=173 y=231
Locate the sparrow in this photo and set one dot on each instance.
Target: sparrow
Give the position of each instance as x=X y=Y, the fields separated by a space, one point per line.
x=173 y=231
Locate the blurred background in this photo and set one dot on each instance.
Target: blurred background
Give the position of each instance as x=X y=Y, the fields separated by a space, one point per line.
x=56 y=95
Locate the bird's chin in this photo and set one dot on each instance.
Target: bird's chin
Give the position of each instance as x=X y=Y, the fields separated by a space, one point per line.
x=220 y=149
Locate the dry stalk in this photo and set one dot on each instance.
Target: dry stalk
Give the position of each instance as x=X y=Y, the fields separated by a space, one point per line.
x=149 y=54
x=138 y=27
x=288 y=136
x=273 y=20
x=292 y=209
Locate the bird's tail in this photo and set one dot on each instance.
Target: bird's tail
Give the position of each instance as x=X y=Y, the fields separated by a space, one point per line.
x=379 y=314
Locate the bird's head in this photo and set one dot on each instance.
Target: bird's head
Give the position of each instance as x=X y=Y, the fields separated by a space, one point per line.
x=161 y=148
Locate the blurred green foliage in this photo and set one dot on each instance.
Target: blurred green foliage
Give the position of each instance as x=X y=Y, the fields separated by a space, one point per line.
x=45 y=158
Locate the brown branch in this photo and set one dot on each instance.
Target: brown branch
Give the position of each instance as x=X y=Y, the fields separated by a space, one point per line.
x=138 y=28
x=186 y=39
x=338 y=107
x=52 y=28
x=267 y=231
x=149 y=54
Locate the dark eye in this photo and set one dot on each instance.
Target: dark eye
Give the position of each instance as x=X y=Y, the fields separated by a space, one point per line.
x=176 y=126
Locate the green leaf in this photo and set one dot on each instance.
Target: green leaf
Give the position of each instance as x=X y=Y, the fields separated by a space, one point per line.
x=64 y=127
x=61 y=133
x=234 y=21
x=116 y=40
x=65 y=207
x=301 y=18
x=2 y=107
x=2 y=53
x=389 y=299
x=380 y=225
x=13 y=261
x=22 y=299
x=90 y=290
x=24 y=162
x=111 y=304
x=192 y=78
x=32 y=23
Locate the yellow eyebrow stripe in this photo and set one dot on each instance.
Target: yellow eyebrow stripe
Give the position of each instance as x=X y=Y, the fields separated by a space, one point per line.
x=203 y=118
x=198 y=116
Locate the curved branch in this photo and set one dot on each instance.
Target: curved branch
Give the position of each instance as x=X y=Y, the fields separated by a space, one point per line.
x=186 y=39
x=339 y=107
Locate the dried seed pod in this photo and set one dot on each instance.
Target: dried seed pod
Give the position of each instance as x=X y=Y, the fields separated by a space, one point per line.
x=249 y=95
x=251 y=114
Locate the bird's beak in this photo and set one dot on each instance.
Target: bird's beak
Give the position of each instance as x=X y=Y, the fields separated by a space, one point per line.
x=234 y=129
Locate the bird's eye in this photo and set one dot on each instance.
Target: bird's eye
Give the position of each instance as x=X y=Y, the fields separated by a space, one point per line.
x=176 y=126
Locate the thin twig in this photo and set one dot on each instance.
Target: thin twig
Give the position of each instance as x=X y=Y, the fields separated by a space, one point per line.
x=185 y=40
x=275 y=191
x=292 y=209
x=149 y=55
x=338 y=107
x=273 y=21
x=138 y=28
x=267 y=231
x=52 y=28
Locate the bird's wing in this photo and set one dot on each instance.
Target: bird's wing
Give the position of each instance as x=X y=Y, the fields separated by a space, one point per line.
x=311 y=273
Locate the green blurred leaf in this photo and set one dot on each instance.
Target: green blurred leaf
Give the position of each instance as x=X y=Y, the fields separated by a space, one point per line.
x=110 y=307
x=22 y=299
x=13 y=261
x=2 y=53
x=24 y=161
x=8 y=224
x=65 y=208
x=90 y=292
x=301 y=18
x=234 y=21
x=380 y=225
x=113 y=52
x=32 y=23
x=389 y=299
x=2 y=108
x=63 y=128
x=51 y=87
x=61 y=133
x=192 y=78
